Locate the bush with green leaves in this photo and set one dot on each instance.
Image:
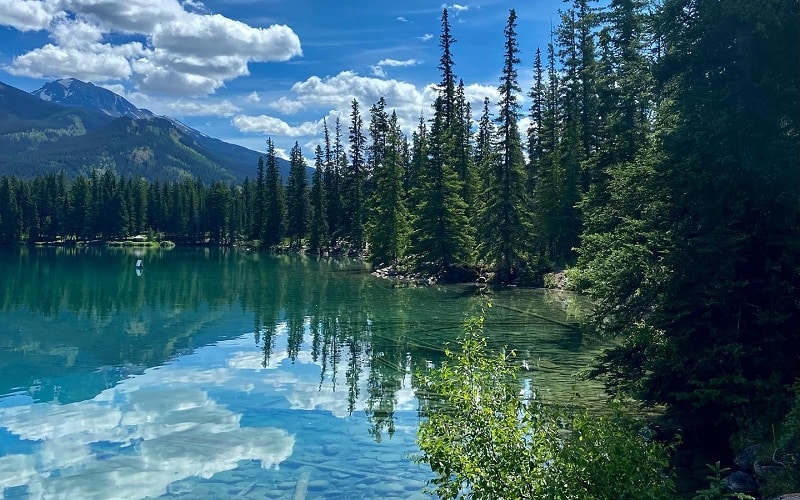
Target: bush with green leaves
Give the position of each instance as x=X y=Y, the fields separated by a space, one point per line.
x=484 y=440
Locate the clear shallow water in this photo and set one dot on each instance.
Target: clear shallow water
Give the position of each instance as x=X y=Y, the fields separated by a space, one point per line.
x=218 y=373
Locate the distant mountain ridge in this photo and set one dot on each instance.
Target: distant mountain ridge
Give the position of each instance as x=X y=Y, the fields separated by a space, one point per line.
x=79 y=127
x=75 y=93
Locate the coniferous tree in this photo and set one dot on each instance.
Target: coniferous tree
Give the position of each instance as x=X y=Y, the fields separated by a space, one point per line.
x=416 y=165
x=698 y=274
x=549 y=195
x=388 y=225
x=447 y=87
x=275 y=204
x=505 y=224
x=536 y=127
x=354 y=179
x=462 y=153
x=259 y=204
x=625 y=101
x=442 y=236
x=297 y=198
x=217 y=210
x=10 y=212
x=331 y=180
x=318 y=229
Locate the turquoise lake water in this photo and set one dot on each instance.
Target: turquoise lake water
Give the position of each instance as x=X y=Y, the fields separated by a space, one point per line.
x=216 y=373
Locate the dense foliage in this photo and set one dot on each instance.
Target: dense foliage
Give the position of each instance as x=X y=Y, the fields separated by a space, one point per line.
x=482 y=438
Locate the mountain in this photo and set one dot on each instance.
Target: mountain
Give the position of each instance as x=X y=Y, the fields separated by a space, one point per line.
x=75 y=93
x=78 y=127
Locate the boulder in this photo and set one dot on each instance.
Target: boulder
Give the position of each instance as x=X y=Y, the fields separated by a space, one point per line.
x=741 y=482
x=746 y=459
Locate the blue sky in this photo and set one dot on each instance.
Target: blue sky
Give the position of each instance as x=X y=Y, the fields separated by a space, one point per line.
x=242 y=70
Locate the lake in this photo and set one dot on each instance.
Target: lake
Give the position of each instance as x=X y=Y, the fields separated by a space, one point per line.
x=217 y=373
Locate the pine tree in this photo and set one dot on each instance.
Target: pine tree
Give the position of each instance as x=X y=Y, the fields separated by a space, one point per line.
x=463 y=154
x=536 y=127
x=698 y=274
x=297 y=198
x=505 y=224
x=275 y=204
x=447 y=87
x=10 y=212
x=354 y=179
x=332 y=180
x=388 y=225
x=259 y=204
x=442 y=236
x=318 y=229
x=549 y=195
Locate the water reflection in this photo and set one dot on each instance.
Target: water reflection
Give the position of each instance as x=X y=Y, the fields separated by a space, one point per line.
x=133 y=440
x=214 y=357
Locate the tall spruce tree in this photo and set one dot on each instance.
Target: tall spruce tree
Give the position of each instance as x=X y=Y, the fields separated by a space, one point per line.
x=700 y=272
x=259 y=204
x=505 y=224
x=275 y=203
x=447 y=87
x=353 y=181
x=388 y=225
x=318 y=225
x=297 y=198
x=442 y=236
x=549 y=196
x=536 y=127
x=336 y=160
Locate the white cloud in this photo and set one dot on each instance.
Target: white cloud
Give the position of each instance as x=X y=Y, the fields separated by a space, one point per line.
x=455 y=7
x=198 y=108
x=215 y=35
x=402 y=19
x=396 y=62
x=128 y=16
x=253 y=97
x=269 y=125
x=426 y=37
x=182 y=51
x=377 y=71
x=287 y=106
x=28 y=15
x=95 y=62
x=76 y=33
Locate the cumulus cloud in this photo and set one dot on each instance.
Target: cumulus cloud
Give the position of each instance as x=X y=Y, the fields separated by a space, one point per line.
x=96 y=62
x=402 y=19
x=76 y=33
x=199 y=108
x=28 y=15
x=253 y=97
x=269 y=125
x=181 y=49
x=287 y=106
x=426 y=37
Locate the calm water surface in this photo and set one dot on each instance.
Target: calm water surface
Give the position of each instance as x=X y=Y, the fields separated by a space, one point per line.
x=224 y=374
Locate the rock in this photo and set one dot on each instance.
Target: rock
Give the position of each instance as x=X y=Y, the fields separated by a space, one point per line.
x=741 y=482
x=788 y=496
x=318 y=485
x=746 y=458
x=767 y=468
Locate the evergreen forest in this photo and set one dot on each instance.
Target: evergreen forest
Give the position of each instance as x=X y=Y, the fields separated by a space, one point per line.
x=660 y=168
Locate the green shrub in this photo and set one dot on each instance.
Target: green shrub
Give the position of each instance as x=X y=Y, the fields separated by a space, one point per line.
x=482 y=439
